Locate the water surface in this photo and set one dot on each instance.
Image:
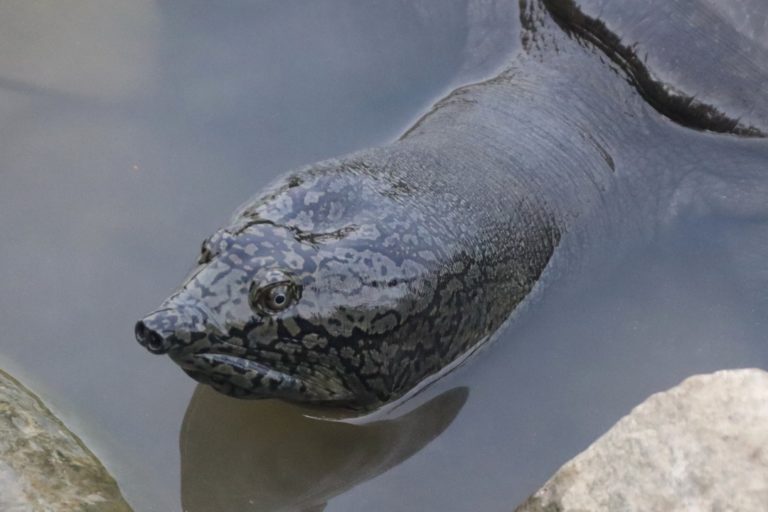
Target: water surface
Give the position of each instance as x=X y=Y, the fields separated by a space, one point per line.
x=131 y=132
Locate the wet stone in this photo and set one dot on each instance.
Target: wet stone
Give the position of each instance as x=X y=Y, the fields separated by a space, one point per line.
x=699 y=446
x=43 y=466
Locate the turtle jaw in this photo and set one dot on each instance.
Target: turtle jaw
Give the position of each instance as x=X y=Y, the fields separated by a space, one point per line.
x=247 y=378
x=240 y=376
x=234 y=372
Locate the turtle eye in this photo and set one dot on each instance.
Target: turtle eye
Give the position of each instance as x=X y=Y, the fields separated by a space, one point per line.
x=273 y=298
x=277 y=298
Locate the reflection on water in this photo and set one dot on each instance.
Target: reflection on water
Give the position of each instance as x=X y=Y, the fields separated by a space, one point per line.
x=268 y=456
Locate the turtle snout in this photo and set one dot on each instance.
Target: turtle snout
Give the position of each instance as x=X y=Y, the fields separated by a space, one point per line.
x=171 y=327
x=151 y=339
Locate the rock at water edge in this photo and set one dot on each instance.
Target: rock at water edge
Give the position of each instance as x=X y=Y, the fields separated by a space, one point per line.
x=45 y=467
x=701 y=446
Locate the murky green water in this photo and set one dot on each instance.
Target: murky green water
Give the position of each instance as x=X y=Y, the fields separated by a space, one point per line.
x=131 y=131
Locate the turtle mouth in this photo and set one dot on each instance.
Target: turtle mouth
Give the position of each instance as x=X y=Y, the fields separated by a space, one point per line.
x=235 y=371
x=241 y=377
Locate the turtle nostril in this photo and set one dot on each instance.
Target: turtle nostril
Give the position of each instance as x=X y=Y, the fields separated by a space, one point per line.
x=149 y=338
x=141 y=332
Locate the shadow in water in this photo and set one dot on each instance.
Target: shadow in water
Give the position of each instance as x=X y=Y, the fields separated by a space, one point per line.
x=268 y=456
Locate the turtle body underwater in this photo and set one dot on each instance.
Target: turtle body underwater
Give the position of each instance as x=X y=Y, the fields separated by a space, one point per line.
x=351 y=281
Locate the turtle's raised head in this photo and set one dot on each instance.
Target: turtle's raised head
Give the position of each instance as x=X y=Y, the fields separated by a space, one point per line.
x=348 y=283
x=302 y=297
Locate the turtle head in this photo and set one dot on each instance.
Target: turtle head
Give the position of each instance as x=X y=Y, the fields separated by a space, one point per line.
x=303 y=297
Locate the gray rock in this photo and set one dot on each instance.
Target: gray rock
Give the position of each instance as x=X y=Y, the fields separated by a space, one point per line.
x=702 y=445
x=43 y=466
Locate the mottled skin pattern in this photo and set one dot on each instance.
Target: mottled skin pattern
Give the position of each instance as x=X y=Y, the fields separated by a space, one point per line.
x=352 y=280
x=380 y=298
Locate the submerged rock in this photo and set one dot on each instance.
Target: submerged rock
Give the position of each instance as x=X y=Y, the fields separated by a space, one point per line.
x=702 y=445
x=44 y=466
